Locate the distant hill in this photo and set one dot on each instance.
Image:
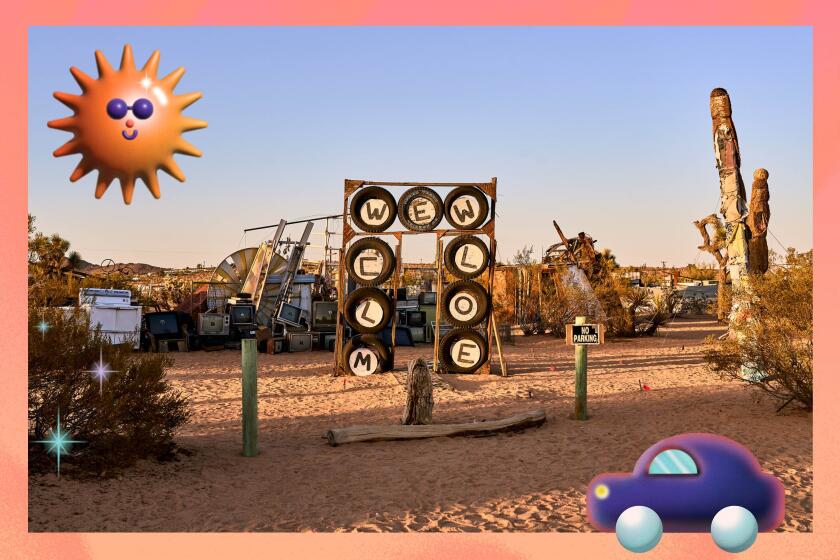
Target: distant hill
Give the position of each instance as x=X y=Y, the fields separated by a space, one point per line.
x=125 y=268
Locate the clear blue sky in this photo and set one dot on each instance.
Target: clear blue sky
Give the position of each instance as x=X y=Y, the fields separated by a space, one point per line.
x=603 y=129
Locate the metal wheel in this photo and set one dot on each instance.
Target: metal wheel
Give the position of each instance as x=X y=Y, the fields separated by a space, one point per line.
x=231 y=274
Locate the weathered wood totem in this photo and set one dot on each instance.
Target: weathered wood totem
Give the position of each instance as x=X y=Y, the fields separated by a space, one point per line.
x=733 y=196
x=758 y=221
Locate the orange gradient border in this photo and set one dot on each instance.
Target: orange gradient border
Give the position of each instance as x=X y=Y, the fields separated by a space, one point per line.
x=16 y=542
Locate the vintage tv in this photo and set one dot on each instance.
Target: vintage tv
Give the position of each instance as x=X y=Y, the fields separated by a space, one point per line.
x=164 y=324
x=414 y=318
x=427 y=298
x=324 y=315
x=213 y=324
x=300 y=342
x=243 y=314
x=289 y=314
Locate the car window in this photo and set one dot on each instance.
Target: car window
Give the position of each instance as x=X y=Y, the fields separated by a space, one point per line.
x=673 y=461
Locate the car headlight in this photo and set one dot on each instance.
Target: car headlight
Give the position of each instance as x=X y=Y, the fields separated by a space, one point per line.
x=602 y=491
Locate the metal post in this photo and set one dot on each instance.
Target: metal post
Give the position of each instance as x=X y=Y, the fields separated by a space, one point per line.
x=249 y=397
x=580 y=376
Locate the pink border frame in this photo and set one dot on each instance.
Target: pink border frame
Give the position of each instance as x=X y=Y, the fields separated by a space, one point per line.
x=16 y=542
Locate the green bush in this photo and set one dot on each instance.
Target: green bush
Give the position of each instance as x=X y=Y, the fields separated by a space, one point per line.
x=772 y=339
x=134 y=417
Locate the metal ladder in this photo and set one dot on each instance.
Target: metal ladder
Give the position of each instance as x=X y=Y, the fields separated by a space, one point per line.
x=292 y=265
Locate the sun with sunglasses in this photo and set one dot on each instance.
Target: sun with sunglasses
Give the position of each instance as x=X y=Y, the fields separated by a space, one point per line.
x=127 y=124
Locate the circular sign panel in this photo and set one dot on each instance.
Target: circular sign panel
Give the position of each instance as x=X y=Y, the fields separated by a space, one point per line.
x=465 y=353
x=369 y=312
x=466 y=208
x=373 y=209
x=363 y=361
x=420 y=209
x=369 y=264
x=463 y=306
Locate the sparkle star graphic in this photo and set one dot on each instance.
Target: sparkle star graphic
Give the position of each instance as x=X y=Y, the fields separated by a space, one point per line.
x=43 y=327
x=100 y=370
x=58 y=442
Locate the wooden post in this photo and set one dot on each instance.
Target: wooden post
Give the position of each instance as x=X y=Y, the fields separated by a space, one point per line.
x=249 y=397
x=419 y=400
x=580 y=376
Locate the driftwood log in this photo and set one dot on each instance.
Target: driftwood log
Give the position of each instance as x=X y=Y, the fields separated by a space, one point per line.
x=418 y=400
x=714 y=248
x=337 y=436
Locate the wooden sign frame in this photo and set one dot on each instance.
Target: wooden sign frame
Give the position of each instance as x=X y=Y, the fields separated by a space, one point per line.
x=488 y=229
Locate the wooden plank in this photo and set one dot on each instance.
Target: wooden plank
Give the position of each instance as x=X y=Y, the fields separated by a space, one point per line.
x=338 y=436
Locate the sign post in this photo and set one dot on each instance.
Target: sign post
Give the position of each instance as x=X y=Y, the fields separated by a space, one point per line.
x=582 y=335
x=249 y=397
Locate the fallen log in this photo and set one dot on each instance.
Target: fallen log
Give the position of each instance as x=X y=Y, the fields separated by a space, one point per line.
x=337 y=436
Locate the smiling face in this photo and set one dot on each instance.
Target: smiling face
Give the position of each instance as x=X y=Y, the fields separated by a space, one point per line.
x=127 y=124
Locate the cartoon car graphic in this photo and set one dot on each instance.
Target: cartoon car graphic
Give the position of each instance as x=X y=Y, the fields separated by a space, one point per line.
x=688 y=483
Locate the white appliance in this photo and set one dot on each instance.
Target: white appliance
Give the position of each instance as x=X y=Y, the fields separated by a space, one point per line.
x=112 y=310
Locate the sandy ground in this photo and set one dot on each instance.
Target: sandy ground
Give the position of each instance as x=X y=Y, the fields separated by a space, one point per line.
x=529 y=481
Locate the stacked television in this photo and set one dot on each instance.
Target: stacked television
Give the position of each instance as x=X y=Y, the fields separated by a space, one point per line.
x=460 y=217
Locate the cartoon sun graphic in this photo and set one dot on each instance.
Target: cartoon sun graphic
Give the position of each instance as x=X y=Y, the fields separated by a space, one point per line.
x=127 y=124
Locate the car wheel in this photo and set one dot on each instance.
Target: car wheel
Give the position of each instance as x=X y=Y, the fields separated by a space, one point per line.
x=465 y=303
x=365 y=355
x=368 y=310
x=420 y=209
x=466 y=257
x=370 y=261
x=463 y=351
x=734 y=529
x=466 y=208
x=373 y=209
x=638 y=529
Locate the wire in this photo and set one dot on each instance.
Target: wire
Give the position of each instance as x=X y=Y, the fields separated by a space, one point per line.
x=784 y=248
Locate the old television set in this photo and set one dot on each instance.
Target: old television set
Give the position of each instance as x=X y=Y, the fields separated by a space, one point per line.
x=243 y=314
x=427 y=298
x=163 y=324
x=324 y=315
x=213 y=324
x=289 y=314
x=415 y=318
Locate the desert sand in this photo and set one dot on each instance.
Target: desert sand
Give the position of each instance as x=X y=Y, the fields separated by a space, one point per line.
x=529 y=481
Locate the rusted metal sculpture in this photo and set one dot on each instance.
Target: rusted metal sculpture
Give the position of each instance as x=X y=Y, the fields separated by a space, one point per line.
x=758 y=221
x=579 y=251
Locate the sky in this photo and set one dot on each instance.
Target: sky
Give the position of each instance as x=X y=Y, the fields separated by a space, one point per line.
x=604 y=129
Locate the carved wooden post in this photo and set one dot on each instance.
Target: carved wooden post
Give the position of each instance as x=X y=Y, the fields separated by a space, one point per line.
x=418 y=400
x=758 y=221
x=733 y=196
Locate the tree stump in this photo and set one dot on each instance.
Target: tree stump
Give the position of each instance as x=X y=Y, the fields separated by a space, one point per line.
x=418 y=401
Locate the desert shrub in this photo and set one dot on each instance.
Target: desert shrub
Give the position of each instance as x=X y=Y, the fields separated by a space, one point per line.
x=609 y=292
x=134 y=417
x=771 y=342
x=561 y=303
